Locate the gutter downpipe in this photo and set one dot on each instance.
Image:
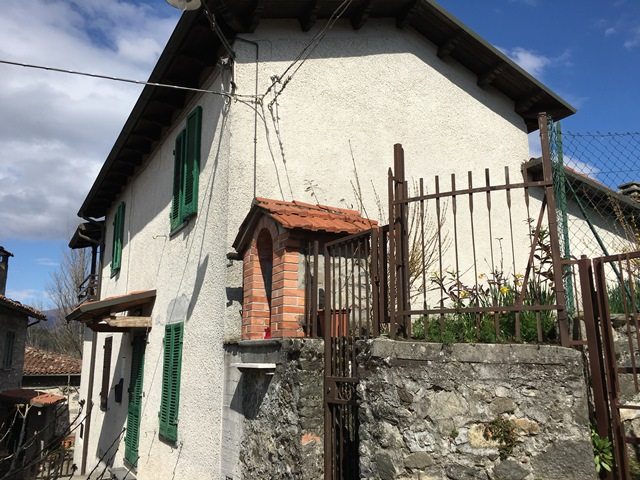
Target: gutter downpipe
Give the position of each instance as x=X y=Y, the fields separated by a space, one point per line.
x=255 y=115
x=92 y=366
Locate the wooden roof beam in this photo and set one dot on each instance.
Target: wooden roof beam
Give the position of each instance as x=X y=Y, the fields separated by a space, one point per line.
x=256 y=14
x=525 y=104
x=485 y=79
x=361 y=15
x=230 y=18
x=446 y=49
x=308 y=19
x=129 y=322
x=403 y=19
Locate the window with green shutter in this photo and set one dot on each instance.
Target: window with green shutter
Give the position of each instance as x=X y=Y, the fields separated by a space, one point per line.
x=173 y=334
x=186 y=170
x=134 y=409
x=118 y=235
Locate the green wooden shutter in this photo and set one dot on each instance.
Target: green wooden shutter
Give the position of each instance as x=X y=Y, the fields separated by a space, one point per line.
x=106 y=372
x=178 y=159
x=191 y=163
x=172 y=364
x=134 y=408
x=118 y=235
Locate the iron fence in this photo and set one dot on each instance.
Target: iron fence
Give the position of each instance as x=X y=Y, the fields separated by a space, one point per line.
x=496 y=274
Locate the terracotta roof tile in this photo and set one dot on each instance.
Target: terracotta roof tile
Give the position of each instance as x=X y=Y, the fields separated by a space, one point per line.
x=42 y=362
x=306 y=216
x=21 y=308
x=32 y=397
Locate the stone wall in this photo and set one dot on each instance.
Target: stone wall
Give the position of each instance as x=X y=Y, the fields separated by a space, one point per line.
x=273 y=418
x=465 y=411
x=16 y=323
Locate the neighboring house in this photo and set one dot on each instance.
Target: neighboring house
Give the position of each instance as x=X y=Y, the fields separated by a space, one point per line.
x=15 y=318
x=600 y=221
x=57 y=374
x=29 y=415
x=185 y=170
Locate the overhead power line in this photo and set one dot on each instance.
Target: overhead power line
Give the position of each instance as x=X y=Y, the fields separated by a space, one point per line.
x=119 y=79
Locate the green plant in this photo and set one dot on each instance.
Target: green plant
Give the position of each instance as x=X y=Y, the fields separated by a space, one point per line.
x=503 y=431
x=602 y=452
x=620 y=296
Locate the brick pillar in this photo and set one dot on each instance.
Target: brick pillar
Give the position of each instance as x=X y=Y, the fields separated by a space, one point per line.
x=257 y=267
x=287 y=307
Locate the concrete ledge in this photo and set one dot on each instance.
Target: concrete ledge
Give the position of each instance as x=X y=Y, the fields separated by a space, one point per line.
x=473 y=352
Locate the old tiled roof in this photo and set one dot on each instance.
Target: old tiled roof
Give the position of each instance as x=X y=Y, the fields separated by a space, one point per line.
x=19 y=307
x=303 y=216
x=320 y=218
x=42 y=362
x=31 y=397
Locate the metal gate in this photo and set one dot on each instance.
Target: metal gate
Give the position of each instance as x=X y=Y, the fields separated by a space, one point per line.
x=354 y=303
x=611 y=301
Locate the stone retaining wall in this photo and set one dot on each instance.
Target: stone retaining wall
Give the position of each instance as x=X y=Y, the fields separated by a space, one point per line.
x=467 y=411
x=273 y=418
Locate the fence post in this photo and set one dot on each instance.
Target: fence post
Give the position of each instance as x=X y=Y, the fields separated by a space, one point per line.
x=558 y=281
x=401 y=242
x=393 y=292
x=559 y=180
x=594 y=343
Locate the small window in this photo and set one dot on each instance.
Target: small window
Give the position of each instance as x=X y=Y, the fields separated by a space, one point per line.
x=171 y=366
x=118 y=235
x=186 y=171
x=106 y=372
x=9 y=343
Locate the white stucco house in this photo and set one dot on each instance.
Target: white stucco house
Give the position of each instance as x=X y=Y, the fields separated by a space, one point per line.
x=183 y=173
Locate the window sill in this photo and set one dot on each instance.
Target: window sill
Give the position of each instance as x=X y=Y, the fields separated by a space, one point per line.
x=181 y=227
x=114 y=273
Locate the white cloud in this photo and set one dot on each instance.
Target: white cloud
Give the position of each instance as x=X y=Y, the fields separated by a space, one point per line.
x=536 y=63
x=57 y=129
x=634 y=38
x=27 y=295
x=47 y=262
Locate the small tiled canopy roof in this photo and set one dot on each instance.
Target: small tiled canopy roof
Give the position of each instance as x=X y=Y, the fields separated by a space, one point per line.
x=20 y=308
x=302 y=216
x=26 y=396
x=42 y=362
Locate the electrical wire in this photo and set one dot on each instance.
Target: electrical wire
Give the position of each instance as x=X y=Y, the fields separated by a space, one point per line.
x=309 y=48
x=120 y=79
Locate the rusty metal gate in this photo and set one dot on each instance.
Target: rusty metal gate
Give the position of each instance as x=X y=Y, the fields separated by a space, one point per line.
x=354 y=301
x=610 y=288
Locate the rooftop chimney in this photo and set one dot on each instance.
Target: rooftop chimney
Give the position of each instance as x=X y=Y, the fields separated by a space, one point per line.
x=4 y=268
x=631 y=190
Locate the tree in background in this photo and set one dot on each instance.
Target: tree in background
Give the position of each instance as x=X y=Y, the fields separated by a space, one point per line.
x=57 y=334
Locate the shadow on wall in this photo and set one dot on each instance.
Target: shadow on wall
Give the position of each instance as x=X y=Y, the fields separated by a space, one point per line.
x=380 y=44
x=215 y=115
x=250 y=393
x=115 y=417
x=197 y=287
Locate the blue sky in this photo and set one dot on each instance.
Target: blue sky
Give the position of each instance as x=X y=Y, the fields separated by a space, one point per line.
x=587 y=51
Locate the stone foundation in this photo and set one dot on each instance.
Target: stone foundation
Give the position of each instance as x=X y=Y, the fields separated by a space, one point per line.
x=427 y=411
x=274 y=418
x=467 y=411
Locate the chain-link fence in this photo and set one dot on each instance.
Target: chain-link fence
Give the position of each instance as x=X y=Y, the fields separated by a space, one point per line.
x=597 y=191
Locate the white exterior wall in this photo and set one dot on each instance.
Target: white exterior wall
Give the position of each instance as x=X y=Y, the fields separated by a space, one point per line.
x=373 y=88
